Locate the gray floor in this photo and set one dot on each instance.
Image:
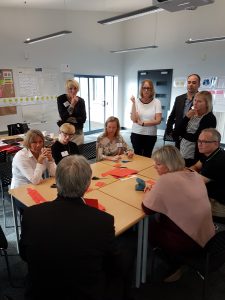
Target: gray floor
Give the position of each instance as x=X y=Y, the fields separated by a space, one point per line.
x=188 y=287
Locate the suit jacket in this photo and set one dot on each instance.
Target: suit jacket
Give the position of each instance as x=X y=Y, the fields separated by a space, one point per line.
x=176 y=116
x=69 y=247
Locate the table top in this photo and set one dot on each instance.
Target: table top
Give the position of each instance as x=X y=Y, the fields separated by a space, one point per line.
x=124 y=190
x=125 y=215
x=150 y=173
x=137 y=162
x=97 y=170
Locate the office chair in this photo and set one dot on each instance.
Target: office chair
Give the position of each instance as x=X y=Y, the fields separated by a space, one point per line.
x=88 y=150
x=5 y=181
x=209 y=260
x=3 y=252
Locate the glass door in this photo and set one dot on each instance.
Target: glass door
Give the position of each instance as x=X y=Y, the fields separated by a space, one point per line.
x=99 y=95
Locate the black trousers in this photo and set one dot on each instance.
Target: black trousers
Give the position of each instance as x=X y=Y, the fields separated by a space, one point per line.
x=143 y=144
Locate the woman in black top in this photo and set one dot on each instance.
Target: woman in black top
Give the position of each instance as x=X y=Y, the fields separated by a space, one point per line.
x=72 y=110
x=63 y=146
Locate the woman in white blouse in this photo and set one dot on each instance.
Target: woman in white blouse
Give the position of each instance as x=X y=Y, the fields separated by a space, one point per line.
x=146 y=114
x=111 y=145
x=30 y=163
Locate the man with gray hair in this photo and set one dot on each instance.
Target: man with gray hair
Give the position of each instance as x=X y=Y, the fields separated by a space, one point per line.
x=69 y=246
x=211 y=166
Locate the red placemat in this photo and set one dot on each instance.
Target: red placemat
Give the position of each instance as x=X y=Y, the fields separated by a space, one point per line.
x=36 y=196
x=120 y=172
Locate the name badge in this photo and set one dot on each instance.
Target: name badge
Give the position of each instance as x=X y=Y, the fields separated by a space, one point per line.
x=66 y=103
x=119 y=145
x=64 y=153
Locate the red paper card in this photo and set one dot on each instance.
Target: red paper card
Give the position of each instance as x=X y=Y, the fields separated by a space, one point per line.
x=151 y=181
x=36 y=196
x=100 y=184
x=94 y=203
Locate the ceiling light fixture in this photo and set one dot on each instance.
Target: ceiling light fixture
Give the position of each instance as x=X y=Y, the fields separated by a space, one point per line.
x=134 y=49
x=191 y=41
x=47 y=37
x=130 y=15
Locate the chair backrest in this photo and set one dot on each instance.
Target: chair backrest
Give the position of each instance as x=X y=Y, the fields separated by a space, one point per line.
x=216 y=250
x=5 y=173
x=88 y=150
x=18 y=128
x=2 y=156
x=3 y=240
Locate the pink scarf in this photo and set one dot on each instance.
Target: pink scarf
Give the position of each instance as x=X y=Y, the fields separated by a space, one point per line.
x=182 y=196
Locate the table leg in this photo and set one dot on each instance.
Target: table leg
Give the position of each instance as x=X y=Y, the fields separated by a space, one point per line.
x=145 y=250
x=14 y=209
x=139 y=253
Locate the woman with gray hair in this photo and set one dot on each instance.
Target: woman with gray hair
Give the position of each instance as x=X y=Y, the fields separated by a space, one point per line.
x=30 y=163
x=182 y=220
x=196 y=119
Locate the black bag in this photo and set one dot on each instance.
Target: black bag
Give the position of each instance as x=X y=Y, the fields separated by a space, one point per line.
x=18 y=128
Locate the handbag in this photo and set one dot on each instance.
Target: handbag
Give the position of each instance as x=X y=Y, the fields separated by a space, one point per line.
x=18 y=128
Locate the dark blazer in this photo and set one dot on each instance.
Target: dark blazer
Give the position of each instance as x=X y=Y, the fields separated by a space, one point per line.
x=176 y=116
x=69 y=247
x=79 y=111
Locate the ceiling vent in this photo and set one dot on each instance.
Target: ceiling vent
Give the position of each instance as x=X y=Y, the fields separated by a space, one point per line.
x=176 y=5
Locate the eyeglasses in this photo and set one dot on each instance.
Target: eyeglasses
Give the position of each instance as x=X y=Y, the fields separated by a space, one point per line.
x=67 y=134
x=72 y=88
x=146 y=88
x=205 y=142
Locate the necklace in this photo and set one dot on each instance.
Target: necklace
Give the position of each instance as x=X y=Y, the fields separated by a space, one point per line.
x=213 y=154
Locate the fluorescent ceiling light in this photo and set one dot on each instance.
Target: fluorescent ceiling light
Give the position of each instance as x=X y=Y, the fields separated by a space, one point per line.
x=47 y=37
x=131 y=15
x=134 y=49
x=190 y=41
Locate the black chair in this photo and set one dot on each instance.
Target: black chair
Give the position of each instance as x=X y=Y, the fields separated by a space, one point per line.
x=88 y=150
x=3 y=252
x=209 y=260
x=5 y=181
x=18 y=128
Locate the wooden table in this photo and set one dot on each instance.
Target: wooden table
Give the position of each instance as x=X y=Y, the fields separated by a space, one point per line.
x=137 y=162
x=118 y=196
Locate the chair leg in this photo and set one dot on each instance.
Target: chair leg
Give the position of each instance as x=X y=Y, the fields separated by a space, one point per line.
x=8 y=267
x=205 y=281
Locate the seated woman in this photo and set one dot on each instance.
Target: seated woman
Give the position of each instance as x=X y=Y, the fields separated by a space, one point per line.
x=182 y=222
x=111 y=145
x=63 y=146
x=30 y=163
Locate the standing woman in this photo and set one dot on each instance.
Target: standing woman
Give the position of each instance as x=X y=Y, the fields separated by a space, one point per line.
x=72 y=110
x=195 y=120
x=146 y=114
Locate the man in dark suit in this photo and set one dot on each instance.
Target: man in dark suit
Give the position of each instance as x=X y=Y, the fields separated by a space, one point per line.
x=182 y=105
x=70 y=247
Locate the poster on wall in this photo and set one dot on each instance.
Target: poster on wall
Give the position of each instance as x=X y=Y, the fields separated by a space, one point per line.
x=7 y=89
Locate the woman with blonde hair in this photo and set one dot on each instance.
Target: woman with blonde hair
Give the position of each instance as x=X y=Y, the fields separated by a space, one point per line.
x=30 y=163
x=182 y=219
x=195 y=120
x=63 y=146
x=146 y=114
x=72 y=110
x=111 y=145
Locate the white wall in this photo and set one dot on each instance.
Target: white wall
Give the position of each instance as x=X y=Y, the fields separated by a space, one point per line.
x=86 y=50
x=173 y=29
